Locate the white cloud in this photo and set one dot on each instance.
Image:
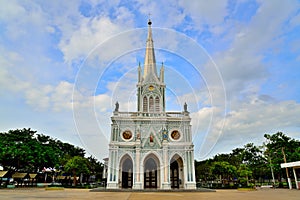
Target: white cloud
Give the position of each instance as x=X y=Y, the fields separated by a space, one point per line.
x=19 y=16
x=8 y=80
x=242 y=66
x=50 y=29
x=41 y=97
x=10 y=11
x=246 y=123
x=263 y=116
x=243 y=72
x=90 y=33
x=207 y=126
x=61 y=96
x=205 y=12
x=38 y=97
x=164 y=14
x=46 y=97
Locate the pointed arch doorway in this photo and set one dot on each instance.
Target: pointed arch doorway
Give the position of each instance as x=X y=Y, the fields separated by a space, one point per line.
x=151 y=172
x=127 y=173
x=176 y=172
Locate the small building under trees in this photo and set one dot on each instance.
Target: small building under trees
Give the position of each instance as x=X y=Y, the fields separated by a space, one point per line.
x=295 y=166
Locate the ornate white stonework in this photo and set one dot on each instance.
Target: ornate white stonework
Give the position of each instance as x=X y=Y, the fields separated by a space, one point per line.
x=151 y=148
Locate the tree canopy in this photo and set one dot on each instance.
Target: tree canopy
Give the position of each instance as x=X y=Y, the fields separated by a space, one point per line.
x=26 y=150
x=278 y=146
x=251 y=162
x=77 y=165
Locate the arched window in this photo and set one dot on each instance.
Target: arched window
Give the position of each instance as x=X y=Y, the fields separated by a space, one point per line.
x=157 y=107
x=145 y=104
x=151 y=104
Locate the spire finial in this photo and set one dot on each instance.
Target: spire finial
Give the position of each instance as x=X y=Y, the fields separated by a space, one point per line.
x=149 y=20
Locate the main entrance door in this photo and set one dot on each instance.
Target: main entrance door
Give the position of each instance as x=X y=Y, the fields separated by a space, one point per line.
x=127 y=174
x=150 y=174
x=174 y=174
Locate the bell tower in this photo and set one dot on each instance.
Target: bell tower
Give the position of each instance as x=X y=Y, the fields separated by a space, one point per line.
x=150 y=87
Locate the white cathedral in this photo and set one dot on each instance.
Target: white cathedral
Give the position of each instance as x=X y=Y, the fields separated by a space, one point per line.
x=151 y=148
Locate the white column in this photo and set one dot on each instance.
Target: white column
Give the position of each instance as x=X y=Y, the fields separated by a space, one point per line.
x=185 y=171
x=188 y=176
x=112 y=165
x=193 y=166
x=137 y=183
x=290 y=183
x=296 y=180
x=188 y=167
x=137 y=166
x=165 y=166
x=191 y=184
x=115 y=167
x=109 y=170
x=112 y=182
x=142 y=172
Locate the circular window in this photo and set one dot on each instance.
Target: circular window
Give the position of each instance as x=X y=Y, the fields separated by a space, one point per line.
x=127 y=135
x=175 y=135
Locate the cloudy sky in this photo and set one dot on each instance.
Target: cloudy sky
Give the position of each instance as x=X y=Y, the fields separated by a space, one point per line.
x=64 y=64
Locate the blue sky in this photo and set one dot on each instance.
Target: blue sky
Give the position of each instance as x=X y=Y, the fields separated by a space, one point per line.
x=64 y=64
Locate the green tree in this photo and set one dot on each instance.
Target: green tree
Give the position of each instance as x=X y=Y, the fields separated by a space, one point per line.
x=252 y=157
x=25 y=150
x=276 y=145
x=224 y=170
x=202 y=170
x=17 y=149
x=95 y=167
x=244 y=173
x=77 y=166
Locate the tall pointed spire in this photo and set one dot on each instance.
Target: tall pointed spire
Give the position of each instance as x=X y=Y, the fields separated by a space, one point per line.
x=150 y=87
x=150 y=62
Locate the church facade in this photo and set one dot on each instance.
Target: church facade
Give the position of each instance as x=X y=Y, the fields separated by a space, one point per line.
x=151 y=148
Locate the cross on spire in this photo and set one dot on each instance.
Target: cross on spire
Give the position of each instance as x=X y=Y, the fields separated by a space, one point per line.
x=149 y=20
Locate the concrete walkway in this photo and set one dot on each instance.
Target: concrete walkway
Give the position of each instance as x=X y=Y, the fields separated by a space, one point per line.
x=74 y=194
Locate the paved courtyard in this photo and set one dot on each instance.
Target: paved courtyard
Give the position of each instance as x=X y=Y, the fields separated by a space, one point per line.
x=265 y=194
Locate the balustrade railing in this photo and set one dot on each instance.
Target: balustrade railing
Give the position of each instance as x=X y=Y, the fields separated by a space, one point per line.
x=150 y=114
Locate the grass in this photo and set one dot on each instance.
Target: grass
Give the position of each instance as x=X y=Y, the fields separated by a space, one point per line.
x=54 y=188
x=246 y=189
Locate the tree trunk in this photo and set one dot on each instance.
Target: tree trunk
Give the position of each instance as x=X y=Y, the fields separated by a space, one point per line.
x=80 y=179
x=74 y=178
